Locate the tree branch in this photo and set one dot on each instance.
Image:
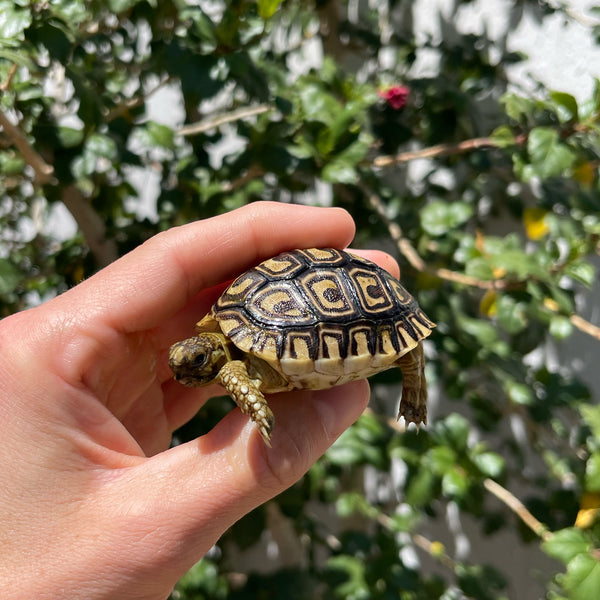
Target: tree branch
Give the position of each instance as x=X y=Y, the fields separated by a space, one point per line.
x=91 y=225
x=222 y=119
x=443 y=150
x=518 y=508
x=44 y=172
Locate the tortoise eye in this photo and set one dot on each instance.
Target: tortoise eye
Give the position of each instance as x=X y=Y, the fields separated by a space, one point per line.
x=199 y=360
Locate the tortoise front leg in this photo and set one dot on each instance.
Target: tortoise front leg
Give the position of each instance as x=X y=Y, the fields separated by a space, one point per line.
x=413 y=405
x=247 y=395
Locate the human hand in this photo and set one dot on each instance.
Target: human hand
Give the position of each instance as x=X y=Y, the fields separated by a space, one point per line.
x=93 y=504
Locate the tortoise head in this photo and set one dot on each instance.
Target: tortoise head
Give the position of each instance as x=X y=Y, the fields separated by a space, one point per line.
x=198 y=360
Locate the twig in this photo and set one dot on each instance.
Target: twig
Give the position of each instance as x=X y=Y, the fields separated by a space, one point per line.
x=11 y=74
x=518 y=508
x=585 y=326
x=442 y=150
x=43 y=171
x=91 y=225
x=576 y=320
x=582 y=19
x=117 y=111
x=216 y=121
x=253 y=172
x=434 y=549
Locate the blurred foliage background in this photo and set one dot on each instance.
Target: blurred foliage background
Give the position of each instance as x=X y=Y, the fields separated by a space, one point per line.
x=125 y=117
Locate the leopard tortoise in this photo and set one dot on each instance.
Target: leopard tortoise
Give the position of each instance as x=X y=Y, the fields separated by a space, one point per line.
x=307 y=319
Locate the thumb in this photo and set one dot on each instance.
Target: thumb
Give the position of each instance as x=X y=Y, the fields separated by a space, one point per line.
x=194 y=492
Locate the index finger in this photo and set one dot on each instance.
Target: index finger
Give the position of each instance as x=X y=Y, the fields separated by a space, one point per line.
x=157 y=279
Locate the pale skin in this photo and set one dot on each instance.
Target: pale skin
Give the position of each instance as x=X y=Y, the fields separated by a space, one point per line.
x=93 y=503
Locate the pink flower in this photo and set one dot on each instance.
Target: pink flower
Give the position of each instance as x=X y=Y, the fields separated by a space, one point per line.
x=395 y=96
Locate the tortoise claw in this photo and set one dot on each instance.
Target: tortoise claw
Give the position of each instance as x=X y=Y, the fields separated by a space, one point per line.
x=247 y=395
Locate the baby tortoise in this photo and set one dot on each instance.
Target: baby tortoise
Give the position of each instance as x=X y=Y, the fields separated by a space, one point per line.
x=307 y=319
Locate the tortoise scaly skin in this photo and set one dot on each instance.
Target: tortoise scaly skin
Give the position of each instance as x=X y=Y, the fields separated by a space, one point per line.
x=307 y=319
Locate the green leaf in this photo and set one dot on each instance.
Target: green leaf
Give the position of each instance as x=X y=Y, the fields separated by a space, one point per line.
x=485 y=333
x=565 y=544
x=160 y=135
x=342 y=168
x=567 y=105
x=511 y=315
x=11 y=164
x=354 y=584
x=453 y=431
x=503 y=137
x=592 y=473
x=455 y=483
x=549 y=156
x=517 y=262
x=267 y=8
x=69 y=137
x=421 y=488
x=438 y=218
x=351 y=503
x=517 y=107
x=339 y=171
x=560 y=327
x=480 y=268
x=13 y=20
x=10 y=276
x=519 y=393
x=489 y=464
x=440 y=460
x=591 y=415
x=584 y=272
x=582 y=579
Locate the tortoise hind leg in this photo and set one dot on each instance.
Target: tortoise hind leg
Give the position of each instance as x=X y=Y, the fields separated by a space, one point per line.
x=247 y=395
x=413 y=405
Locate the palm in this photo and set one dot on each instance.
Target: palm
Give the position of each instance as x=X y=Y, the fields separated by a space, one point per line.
x=89 y=392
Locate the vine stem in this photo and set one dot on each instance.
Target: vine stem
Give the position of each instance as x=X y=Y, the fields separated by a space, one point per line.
x=512 y=502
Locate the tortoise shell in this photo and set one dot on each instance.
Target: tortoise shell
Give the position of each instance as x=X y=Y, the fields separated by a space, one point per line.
x=321 y=317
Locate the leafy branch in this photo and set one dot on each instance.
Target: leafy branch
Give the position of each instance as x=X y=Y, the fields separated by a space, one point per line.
x=409 y=252
x=416 y=261
x=88 y=220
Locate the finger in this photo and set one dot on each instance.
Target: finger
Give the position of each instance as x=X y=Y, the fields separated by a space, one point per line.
x=181 y=403
x=156 y=279
x=228 y=472
x=383 y=259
